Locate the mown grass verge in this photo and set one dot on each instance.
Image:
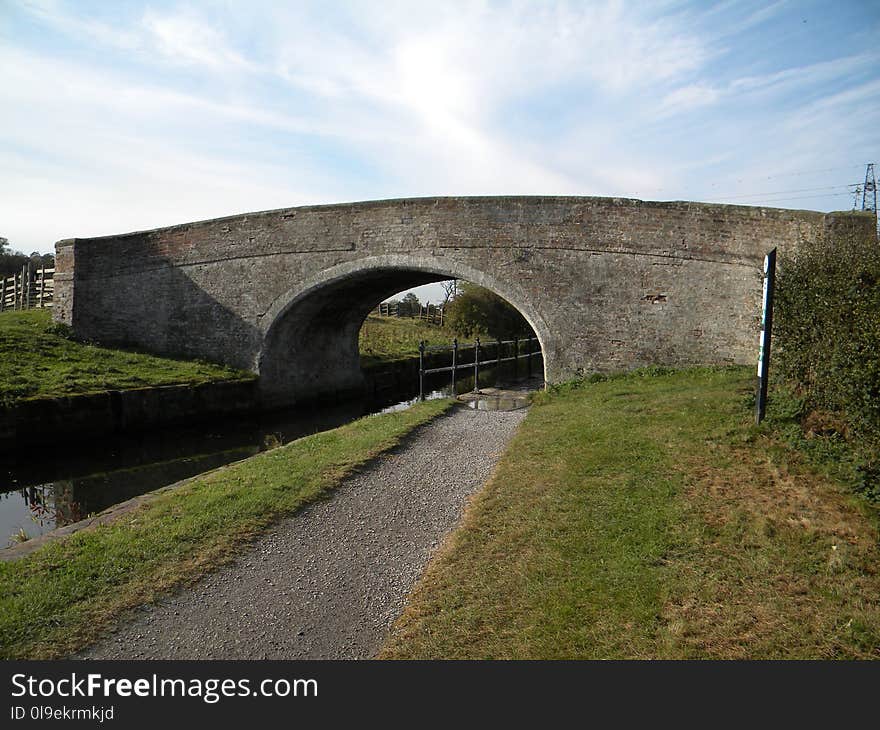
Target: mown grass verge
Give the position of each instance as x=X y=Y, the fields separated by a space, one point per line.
x=644 y=517
x=67 y=593
x=392 y=338
x=40 y=361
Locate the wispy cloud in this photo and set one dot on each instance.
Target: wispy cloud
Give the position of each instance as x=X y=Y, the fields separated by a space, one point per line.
x=264 y=104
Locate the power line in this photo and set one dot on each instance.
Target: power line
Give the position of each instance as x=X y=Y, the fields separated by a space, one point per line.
x=787 y=199
x=771 y=177
x=780 y=192
x=811 y=172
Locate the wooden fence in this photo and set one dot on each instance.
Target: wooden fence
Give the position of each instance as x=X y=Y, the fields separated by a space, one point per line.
x=33 y=288
x=431 y=313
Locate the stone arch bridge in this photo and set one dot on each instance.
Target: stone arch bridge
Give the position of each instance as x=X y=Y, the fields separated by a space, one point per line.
x=606 y=283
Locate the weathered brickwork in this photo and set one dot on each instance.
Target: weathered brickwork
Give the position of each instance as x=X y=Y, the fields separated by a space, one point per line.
x=606 y=283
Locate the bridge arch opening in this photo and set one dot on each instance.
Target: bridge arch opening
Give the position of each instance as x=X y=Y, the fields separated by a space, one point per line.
x=310 y=345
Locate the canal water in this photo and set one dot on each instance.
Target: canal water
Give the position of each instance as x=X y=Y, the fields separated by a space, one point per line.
x=41 y=489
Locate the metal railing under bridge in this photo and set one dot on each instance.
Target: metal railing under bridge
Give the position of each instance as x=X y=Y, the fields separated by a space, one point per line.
x=504 y=353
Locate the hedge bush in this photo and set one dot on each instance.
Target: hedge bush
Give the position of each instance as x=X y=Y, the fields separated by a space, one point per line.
x=827 y=339
x=827 y=327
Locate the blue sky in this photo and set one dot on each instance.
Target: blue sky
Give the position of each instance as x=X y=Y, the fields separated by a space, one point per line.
x=128 y=115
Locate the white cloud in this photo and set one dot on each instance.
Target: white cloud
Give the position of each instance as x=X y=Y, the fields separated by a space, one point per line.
x=266 y=104
x=187 y=38
x=687 y=98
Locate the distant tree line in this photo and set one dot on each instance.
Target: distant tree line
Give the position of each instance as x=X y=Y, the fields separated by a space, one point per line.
x=409 y=306
x=11 y=262
x=472 y=311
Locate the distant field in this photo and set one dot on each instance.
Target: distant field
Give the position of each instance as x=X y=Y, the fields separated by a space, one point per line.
x=645 y=517
x=392 y=338
x=37 y=361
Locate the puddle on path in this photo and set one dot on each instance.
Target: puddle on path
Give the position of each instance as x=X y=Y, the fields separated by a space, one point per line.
x=496 y=403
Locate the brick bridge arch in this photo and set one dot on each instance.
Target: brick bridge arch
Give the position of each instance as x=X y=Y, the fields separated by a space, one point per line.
x=310 y=340
x=607 y=283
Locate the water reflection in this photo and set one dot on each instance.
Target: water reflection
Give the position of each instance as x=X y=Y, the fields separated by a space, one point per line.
x=497 y=403
x=44 y=489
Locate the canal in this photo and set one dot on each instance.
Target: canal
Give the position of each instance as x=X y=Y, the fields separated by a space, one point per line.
x=45 y=488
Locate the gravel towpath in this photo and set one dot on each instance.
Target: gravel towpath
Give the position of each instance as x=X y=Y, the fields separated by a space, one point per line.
x=328 y=582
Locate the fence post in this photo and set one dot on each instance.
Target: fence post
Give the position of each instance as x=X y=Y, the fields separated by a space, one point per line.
x=529 y=359
x=454 y=362
x=422 y=370
x=3 y=294
x=477 y=366
x=30 y=284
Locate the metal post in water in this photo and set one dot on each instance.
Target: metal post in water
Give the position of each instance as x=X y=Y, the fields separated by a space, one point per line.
x=454 y=362
x=422 y=370
x=515 y=358
x=477 y=366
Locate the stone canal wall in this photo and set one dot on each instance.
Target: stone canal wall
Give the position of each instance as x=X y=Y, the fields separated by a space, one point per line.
x=46 y=420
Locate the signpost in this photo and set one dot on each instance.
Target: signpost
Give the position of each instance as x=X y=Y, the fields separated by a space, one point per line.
x=766 y=331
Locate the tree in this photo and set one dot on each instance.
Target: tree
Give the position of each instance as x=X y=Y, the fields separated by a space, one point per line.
x=12 y=262
x=410 y=305
x=476 y=311
x=450 y=289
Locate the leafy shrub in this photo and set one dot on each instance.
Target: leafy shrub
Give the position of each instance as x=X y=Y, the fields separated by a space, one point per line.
x=827 y=353
x=827 y=328
x=60 y=329
x=477 y=311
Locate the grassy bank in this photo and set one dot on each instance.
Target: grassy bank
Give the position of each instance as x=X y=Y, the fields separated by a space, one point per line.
x=66 y=593
x=40 y=362
x=392 y=338
x=644 y=517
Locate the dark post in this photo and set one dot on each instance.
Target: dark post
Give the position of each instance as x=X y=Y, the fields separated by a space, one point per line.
x=766 y=331
x=422 y=370
x=454 y=362
x=515 y=358
x=529 y=358
x=497 y=360
x=477 y=366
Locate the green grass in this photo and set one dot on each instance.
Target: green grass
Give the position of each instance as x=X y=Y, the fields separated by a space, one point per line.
x=41 y=361
x=66 y=593
x=392 y=338
x=38 y=361
x=644 y=517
